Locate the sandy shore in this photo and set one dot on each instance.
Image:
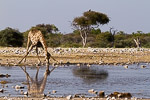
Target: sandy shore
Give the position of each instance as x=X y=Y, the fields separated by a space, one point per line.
x=92 y=98
x=11 y=56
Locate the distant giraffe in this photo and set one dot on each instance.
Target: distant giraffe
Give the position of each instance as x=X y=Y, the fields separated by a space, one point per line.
x=35 y=36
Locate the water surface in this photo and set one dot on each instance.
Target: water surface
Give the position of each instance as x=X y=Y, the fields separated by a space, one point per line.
x=70 y=80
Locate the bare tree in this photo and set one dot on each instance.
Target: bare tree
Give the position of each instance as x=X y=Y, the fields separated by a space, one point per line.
x=113 y=32
x=137 y=42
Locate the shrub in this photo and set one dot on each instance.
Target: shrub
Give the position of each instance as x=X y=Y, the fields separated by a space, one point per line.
x=11 y=37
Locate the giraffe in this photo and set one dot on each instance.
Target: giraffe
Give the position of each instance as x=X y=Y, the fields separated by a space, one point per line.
x=34 y=37
x=35 y=86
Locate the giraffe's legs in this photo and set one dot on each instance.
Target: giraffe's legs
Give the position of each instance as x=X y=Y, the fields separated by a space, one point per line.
x=27 y=75
x=54 y=58
x=30 y=48
x=39 y=61
x=37 y=72
x=44 y=46
x=47 y=67
x=28 y=43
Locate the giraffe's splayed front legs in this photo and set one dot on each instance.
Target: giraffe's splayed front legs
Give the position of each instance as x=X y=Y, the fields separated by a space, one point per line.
x=39 y=61
x=28 y=50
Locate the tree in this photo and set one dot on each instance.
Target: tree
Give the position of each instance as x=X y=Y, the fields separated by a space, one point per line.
x=11 y=37
x=54 y=40
x=137 y=42
x=48 y=28
x=105 y=39
x=87 y=22
x=71 y=40
x=113 y=32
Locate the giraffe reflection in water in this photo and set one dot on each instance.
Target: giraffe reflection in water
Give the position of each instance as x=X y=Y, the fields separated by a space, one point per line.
x=36 y=86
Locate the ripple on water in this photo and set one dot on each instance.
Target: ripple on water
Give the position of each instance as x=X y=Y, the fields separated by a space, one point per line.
x=78 y=80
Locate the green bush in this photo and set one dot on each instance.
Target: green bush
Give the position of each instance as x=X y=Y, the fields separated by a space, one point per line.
x=11 y=37
x=104 y=39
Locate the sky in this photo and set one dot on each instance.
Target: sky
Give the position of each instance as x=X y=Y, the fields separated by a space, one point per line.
x=125 y=15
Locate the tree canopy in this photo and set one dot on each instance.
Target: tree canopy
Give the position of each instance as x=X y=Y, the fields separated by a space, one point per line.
x=87 y=22
x=98 y=39
x=11 y=37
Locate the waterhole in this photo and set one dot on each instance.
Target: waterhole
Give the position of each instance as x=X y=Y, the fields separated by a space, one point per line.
x=71 y=80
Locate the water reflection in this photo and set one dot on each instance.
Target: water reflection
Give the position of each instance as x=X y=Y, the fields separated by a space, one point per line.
x=90 y=75
x=36 y=86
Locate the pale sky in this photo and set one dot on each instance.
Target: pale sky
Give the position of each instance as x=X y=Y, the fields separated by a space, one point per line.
x=125 y=15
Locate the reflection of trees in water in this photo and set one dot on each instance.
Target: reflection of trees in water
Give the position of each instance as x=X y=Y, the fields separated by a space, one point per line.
x=90 y=74
x=36 y=86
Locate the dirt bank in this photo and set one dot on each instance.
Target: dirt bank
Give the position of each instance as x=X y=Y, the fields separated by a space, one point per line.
x=11 y=56
x=92 y=98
